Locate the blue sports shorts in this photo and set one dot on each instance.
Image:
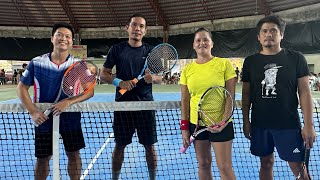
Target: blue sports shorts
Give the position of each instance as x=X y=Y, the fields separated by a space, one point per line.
x=288 y=142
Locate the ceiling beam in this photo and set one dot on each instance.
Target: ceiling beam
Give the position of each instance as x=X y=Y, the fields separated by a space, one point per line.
x=114 y=14
x=264 y=6
x=21 y=13
x=204 y=5
x=159 y=14
x=68 y=11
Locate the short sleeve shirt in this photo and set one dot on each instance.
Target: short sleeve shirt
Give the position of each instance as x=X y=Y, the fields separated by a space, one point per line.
x=46 y=77
x=129 y=62
x=273 y=85
x=200 y=77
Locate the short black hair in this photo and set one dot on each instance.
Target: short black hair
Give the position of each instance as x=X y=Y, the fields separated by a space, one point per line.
x=136 y=15
x=272 y=19
x=203 y=29
x=62 y=25
x=24 y=65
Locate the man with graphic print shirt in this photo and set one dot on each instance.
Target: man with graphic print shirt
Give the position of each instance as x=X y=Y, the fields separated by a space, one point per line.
x=271 y=79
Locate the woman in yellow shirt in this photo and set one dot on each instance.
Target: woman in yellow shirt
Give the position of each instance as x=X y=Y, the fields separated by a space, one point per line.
x=195 y=79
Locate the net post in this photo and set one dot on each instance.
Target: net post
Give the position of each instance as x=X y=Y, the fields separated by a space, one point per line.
x=55 y=147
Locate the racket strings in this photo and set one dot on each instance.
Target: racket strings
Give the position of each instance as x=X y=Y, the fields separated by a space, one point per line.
x=161 y=59
x=79 y=79
x=216 y=106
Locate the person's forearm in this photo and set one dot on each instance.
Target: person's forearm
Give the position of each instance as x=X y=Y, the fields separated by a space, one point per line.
x=24 y=96
x=156 y=79
x=246 y=102
x=307 y=108
x=245 y=109
x=81 y=98
x=185 y=103
x=107 y=79
x=231 y=86
x=185 y=109
x=106 y=75
x=305 y=100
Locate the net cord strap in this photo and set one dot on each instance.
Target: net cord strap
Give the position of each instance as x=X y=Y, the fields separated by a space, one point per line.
x=55 y=147
x=99 y=106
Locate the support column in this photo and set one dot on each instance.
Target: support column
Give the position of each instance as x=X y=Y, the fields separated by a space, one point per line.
x=76 y=39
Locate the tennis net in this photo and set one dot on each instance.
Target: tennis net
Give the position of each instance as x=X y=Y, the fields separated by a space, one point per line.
x=17 y=159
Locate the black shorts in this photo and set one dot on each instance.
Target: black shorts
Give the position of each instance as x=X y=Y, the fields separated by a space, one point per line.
x=226 y=134
x=126 y=122
x=70 y=130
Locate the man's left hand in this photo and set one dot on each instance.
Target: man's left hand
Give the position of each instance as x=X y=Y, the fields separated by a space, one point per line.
x=308 y=135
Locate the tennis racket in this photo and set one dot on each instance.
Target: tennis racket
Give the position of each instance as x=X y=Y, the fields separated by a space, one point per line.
x=215 y=108
x=305 y=164
x=160 y=60
x=77 y=80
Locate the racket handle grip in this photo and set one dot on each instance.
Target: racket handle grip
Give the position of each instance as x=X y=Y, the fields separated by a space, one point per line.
x=35 y=124
x=135 y=81
x=122 y=91
x=184 y=149
x=47 y=112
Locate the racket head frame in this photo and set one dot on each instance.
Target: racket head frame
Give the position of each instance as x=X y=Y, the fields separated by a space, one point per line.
x=93 y=72
x=201 y=112
x=196 y=131
x=48 y=110
x=145 y=66
x=305 y=164
x=174 y=57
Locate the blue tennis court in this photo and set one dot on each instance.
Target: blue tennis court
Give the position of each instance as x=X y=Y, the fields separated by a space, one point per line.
x=17 y=149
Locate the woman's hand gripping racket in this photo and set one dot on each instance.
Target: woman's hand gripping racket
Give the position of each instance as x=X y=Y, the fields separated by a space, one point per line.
x=215 y=108
x=160 y=60
x=78 y=79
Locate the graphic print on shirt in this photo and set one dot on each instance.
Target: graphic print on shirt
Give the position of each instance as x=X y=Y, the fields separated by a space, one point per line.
x=268 y=84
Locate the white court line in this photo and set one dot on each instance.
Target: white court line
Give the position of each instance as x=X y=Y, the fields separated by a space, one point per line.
x=85 y=173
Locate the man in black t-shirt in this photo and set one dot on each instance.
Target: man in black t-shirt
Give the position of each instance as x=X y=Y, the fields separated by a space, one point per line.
x=271 y=79
x=129 y=58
